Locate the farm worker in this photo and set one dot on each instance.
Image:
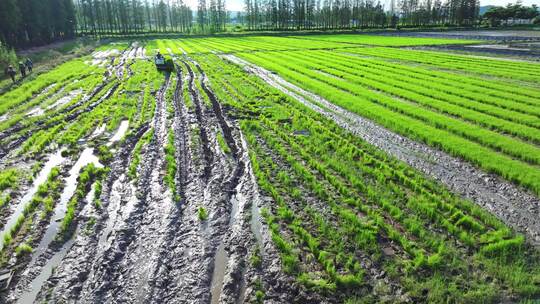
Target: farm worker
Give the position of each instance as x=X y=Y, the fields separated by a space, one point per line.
x=11 y=72
x=159 y=56
x=22 y=68
x=29 y=64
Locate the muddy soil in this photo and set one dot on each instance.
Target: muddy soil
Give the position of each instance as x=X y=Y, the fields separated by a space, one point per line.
x=147 y=245
x=50 y=249
x=515 y=206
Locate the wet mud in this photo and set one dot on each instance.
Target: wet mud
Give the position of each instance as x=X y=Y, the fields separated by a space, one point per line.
x=146 y=245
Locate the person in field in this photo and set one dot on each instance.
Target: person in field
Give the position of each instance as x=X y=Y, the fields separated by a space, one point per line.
x=11 y=72
x=22 y=69
x=159 y=56
x=29 y=65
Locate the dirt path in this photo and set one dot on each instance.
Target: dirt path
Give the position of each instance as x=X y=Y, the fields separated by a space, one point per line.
x=513 y=205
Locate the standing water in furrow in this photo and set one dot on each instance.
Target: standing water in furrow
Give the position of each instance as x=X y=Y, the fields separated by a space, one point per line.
x=54 y=160
x=86 y=157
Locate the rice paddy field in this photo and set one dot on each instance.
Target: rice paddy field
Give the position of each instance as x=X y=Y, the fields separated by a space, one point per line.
x=273 y=169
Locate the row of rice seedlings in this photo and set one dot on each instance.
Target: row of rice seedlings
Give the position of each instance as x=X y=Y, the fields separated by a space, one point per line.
x=136 y=156
x=88 y=175
x=476 y=134
x=45 y=198
x=488 y=159
x=415 y=183
x=506 y=121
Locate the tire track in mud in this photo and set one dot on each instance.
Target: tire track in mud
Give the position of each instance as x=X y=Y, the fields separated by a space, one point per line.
x=236 y=202
x=159 y=279
x=208 y=155
x=116 y=274
x=244 y=228
x=184 y=266
x=512 y=204
x=81 y=248
x=181 y=132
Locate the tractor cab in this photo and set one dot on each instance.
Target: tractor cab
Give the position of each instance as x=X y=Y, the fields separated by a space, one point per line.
x=162 y=63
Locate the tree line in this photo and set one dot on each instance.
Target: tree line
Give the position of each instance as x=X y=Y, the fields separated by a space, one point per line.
x=136 y=16
x=101 y=17
x=354 y=14
x=499 y=14
x=35 y=22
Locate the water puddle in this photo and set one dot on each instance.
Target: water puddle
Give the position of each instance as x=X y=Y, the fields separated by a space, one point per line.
x=37 y=111
x=47 y=270
x=100 y=58
x=88 y=209
x=498 y=47
x=87 y=157
x=256 y=222
x=54 y=160
x=117 y=210
x=222 y=259
x=64 y=100
x=124 y=125
x=98 y=131
x=105 y=54
x=142 y=53
x=220 y=266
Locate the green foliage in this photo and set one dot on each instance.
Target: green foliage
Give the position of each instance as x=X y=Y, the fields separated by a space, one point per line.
x=7 y=56
x=8 y=179
x=490 y=150
x=46 y=195
x=23 y=249
x=259 y=296
x=136 y=157
x=256 y=259
x=105 y=155
x=87 y=176
x=222 y=143
x=170 y=157
x=202 y=214
x=425 y=237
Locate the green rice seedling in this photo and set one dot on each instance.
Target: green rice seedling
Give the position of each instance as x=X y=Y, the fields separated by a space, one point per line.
x=8 y=179
x=202 y=214
x=170 y=157
x=222 y=143
x=88 y=175
x=23 y=249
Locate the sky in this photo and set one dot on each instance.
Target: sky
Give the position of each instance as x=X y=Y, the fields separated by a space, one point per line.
x=238 y=5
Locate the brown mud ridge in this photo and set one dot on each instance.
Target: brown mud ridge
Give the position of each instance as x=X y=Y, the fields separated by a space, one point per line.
x=515 y=206
x=146 y=246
